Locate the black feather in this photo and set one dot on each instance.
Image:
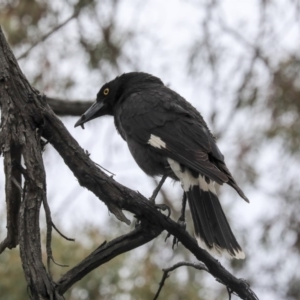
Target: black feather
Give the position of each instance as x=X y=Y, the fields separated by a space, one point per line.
x=210 y=222
x=188 y=141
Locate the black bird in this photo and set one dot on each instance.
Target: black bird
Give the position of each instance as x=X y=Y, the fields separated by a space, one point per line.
x=167 y=136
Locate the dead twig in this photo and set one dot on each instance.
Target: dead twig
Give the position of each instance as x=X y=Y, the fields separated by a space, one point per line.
x=198 y=266
x=45 y=36
x=61 y=234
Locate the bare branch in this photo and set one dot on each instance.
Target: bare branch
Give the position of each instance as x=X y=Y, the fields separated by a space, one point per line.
x=61 y=234
x=45 y=36
x=12 y=157
x=48 y=233
x=255 y=47
x=68 y=108
x=4 y=244
x=198 y=266
x=107 y=251
x=18 y=129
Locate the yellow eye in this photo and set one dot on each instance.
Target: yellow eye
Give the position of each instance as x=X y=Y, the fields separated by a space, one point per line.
x=106 y=91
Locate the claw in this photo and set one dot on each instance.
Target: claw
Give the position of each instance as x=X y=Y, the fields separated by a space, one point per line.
x=163 y=207
x=182 y=224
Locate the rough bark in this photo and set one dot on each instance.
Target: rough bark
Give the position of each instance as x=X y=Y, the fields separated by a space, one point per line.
x=19 y=136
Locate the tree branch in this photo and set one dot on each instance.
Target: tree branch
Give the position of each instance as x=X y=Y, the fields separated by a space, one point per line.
x=61 y=234
x=68 y=108
x=166 y=272
x=12 y=156
x=45 y=36
x=107 y=251
x=19 y=131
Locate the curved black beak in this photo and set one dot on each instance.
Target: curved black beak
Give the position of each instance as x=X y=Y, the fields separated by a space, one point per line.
x=93 y=112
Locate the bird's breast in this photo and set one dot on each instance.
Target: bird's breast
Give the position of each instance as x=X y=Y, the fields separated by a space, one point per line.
x=151 y=162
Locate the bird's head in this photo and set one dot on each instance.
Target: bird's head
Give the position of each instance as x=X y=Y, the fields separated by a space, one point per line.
x=116 y=91
x=105 y=102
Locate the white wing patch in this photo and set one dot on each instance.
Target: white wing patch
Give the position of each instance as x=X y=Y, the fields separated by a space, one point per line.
x=156 y=142
x=207 y=186
x=188 y=180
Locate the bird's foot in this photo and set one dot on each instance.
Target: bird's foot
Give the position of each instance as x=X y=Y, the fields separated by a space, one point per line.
x=152 y=198
x=182 y=224
x=163 y=207
x=181 y=219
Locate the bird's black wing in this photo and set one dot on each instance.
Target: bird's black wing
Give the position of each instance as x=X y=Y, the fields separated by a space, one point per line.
x=173 y=129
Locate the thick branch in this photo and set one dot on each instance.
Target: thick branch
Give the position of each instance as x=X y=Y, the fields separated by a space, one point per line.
x=68 y=108
x=19 y=131
x=12 y=157
x=104 y=253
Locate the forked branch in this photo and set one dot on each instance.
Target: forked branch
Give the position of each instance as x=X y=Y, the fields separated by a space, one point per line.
x=167 y=271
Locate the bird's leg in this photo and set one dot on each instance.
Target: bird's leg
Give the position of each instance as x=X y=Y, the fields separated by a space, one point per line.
x=181 y=220
x=157 y=189
x=154 y=195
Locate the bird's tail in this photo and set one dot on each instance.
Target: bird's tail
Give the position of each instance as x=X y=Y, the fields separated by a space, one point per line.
x=212 y=230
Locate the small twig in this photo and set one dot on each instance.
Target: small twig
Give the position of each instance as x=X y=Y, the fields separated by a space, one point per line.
x=45 y=36
x=229 y=290
x=48 y=233
x=49 y=224
x=241 y=38
x=61 y=265
x=49 y=237
x=60 y=233
x=198 y=266
x=4 y=244
x=104 y=169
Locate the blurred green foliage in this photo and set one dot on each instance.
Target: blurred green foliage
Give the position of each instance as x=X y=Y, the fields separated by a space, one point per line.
x=20 y=19
x=113 y=280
